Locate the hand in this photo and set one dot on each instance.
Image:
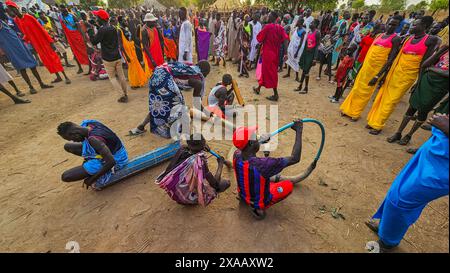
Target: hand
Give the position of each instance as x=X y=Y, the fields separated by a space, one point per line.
x=439 y=121
x=128 y=59
x=220 y=160
x=185 y=56
x=285 y=57
x=88 y=181
x=298 y=125
x=265 y=138
x=373 y=81
x=314 y=62
x=296 y=55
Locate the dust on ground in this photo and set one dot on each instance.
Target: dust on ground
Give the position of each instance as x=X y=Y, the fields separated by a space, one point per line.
x=39 y=213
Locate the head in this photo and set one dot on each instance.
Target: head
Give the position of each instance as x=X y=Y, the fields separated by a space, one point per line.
x=393 y=23
x=218 y=16
x=351 y=49
x=256 y=16
x=333 y=30
x=308 y=12
x=196 y=143
x=227 y=79
x=221 y=95
x=247 y=18
x=346 y=15
x=182 y=13
x=355 y=17
x=42 y=16
x=113 y=20
x=421 y=25
x=72 y=132
x=300 y=22
x=376 y=30
x=272 y=17
x=12 y=9
x=245 y=139
x=405 y=28
x=205 y=68
x=63 y=10
x=83 y=16
x=314 y=24
x=372 y=14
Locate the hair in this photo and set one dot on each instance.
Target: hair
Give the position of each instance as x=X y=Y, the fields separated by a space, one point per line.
x=183 y=9
x=196 y=139
x=398 y=17
x=426 y=21
x=301 y=20
x=227 y=79
x=204 y=66
x=372 y=13
x=274 y=14
x=64 y=127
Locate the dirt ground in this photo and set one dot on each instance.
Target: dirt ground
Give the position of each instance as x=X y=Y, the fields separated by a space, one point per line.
x=39 y=213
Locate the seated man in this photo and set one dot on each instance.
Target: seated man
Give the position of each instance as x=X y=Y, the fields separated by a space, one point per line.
x=220 y=97
x=227 y=80
x=102 y=150
x=253 y=173
x=188 y=175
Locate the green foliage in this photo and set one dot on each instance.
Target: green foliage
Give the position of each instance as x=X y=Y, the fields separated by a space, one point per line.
x=393 y=5
x=123 y=3
x=358 y=4
x=437 y=5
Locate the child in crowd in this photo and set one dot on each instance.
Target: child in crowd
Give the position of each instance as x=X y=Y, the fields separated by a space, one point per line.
x=344 y=68
x=326 y=52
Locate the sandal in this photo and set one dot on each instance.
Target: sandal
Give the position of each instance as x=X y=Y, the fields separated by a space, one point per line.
x=394 y=138
x=123 y=99
x=405 y=140
x=272 y=98
x=258 y=214
x=372 y=225
x=374 y=132
x=136 y=131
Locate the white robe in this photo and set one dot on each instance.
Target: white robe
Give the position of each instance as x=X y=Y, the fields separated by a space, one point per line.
x=185 y=42
x=256 y=29
x=308 y=22
x=293 y=61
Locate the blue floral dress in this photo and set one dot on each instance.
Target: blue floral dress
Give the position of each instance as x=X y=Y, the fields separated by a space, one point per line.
x=166 y=102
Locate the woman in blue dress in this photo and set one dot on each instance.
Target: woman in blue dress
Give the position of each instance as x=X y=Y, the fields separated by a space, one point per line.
x=422 y=180
x=19 y=56
x=166 y=102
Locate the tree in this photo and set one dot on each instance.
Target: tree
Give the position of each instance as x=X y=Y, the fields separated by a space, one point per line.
x=357 y=4
x=123 y=3
x=393 y=5
x=437 y=5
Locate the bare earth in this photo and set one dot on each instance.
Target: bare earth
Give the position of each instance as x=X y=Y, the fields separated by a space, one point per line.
x=39 y=213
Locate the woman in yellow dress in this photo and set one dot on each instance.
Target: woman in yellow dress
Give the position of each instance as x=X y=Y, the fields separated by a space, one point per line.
x=402 y=74
x=382 y=52
x=136 y=75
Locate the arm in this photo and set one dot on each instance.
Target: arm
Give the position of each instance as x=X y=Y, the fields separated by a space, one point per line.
x=122 y=49
x=316 y=48
x=299 y=45
x=431 y=44
x=214 y=180
x=297 y=149
x=101 y=148
x=440 y=121
x=97 y=38
x=435 y=57
x=146 y=44
x=391 y=57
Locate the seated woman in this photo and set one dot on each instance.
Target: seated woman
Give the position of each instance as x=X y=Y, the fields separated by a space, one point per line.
x=166 y=102
x=188 y=180
x=100 y=147
x=253 y=173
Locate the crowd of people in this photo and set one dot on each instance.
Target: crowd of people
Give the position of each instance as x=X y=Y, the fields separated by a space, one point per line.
x=361 y=52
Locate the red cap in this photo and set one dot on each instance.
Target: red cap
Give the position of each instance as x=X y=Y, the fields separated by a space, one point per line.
x=102 y=14
x=11 y=4
x=242 y=135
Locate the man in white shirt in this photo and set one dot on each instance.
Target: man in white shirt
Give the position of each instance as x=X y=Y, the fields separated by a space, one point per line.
x=256 y=26
x=308 y=19
x=185 y=40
